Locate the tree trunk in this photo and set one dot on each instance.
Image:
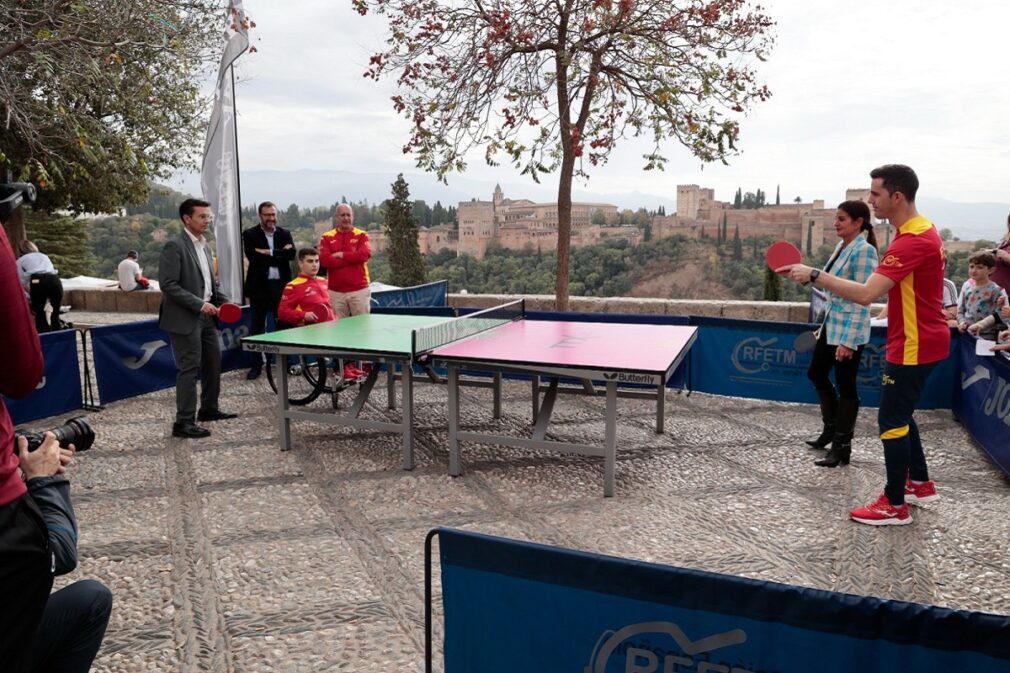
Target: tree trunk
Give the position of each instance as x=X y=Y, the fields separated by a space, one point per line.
x=15 y=227
x=564 y=228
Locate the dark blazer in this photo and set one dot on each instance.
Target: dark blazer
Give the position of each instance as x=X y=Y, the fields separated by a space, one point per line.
x=182 y=286
x=259 y=264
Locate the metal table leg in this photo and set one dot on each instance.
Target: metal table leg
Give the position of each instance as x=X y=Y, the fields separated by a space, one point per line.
x=660 y=407
x=610 y=450
x=407 y=385
x=282 y=400
x=455 y=468
x=497 y=395
x=391 y=382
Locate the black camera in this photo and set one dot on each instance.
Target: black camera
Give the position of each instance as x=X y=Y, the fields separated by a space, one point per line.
x=76 y=431
x=12 y=195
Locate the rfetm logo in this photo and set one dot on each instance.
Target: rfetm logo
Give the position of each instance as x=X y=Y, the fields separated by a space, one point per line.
x=637 y=659
x=147 y=352
x=754 y=355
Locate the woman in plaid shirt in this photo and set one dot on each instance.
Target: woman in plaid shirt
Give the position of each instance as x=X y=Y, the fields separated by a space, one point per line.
x=846 y=329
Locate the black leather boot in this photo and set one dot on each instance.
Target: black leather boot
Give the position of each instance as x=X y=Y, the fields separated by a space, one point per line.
x=841 y=445
x=829 y=409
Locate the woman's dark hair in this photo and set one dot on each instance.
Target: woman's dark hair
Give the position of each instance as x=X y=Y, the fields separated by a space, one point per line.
x=858 y=210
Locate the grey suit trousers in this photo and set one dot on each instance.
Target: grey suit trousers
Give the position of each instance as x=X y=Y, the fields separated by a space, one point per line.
x=197 y=355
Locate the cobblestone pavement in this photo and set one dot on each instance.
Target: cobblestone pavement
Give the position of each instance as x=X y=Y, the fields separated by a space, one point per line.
x=226 y=554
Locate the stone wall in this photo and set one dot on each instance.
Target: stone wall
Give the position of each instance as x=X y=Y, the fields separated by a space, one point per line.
x=112 y=300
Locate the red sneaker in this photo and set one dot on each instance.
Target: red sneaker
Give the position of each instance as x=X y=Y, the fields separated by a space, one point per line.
x=366 y=369
x=351 y=372
x=916 y=494
x=882 y=513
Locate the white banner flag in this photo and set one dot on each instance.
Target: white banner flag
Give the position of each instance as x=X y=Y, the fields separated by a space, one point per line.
x=219 y=176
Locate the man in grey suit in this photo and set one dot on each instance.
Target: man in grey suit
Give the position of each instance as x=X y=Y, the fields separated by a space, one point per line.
x=190 y=295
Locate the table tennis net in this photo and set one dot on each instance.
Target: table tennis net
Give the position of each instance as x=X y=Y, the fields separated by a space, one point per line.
x=427 y=339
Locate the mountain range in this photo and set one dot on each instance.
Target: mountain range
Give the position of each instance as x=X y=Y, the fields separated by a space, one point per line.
x=309 y=188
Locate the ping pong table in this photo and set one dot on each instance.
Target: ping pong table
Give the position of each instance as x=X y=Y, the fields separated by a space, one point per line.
x=501 y=340
x=495 y=341
x=383 y=339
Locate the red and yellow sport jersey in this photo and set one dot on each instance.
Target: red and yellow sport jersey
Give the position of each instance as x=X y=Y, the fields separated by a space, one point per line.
x=302 y=295
x=917 y=331
x=349 y=272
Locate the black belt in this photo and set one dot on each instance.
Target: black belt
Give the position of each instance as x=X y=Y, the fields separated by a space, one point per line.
x=43 y=274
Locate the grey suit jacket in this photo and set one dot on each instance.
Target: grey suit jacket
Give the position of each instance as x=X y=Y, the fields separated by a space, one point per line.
x=182 y=286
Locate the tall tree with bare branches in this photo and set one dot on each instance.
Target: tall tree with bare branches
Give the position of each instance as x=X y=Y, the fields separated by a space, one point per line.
x=552 y=85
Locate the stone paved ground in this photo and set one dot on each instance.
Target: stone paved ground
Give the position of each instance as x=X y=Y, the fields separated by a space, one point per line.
x=225 y=554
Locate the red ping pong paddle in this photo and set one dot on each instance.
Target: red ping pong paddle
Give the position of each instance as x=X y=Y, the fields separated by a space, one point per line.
x=229 y=312
x=782 y=253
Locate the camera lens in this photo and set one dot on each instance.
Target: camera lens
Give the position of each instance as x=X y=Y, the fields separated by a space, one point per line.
x=76 y=431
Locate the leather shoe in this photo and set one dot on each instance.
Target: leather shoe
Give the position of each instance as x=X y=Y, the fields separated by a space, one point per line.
x=216 y=415
x=253 y=374
x=189 y=431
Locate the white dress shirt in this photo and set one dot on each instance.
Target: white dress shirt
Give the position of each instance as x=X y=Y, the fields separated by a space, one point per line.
x=203 y=256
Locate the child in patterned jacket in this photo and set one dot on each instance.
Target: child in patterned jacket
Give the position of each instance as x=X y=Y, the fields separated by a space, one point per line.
x=982 y=299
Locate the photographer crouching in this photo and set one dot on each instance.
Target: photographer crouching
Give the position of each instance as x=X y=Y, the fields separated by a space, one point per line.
x=38 y=530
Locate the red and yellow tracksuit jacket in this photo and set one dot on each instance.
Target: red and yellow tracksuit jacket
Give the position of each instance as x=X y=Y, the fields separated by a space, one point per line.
x=303 y=295
x=350 y=272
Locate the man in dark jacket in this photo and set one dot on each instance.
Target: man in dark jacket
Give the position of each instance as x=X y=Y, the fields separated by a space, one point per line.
x=269 y=249
x=190 y=297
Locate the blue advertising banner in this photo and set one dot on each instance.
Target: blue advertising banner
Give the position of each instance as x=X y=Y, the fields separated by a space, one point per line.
x=59 y=390
x=982 y=401
x=136 y=358
x=430 y=294
x=515 y=606
x=767 y=360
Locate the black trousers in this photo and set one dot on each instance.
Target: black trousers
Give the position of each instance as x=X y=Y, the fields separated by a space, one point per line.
x=46 y=287
x=900 y=389
x=264 y=303
x=25 y=580
x=72 y=628
x=823 y=361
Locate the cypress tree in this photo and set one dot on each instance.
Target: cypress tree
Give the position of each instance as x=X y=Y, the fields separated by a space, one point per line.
x=737 y=245
x=406 y=266
x=773 y=286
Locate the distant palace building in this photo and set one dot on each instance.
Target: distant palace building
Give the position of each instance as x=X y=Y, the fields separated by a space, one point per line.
x=520 y=224
x=808 y=225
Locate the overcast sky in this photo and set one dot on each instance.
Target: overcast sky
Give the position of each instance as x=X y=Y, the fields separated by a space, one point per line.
x=855 y=84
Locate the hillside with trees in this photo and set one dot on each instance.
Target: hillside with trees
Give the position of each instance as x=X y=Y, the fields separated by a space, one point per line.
x=719 y=266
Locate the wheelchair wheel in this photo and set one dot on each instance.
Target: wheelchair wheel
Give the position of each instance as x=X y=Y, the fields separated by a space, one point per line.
x=306 y=378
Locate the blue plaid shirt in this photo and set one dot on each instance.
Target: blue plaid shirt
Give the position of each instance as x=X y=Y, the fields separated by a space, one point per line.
x=847 y=323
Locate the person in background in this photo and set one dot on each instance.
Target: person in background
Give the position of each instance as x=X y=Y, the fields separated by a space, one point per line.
x=344 y=251
x=190 y=297
x=269 y=249
x=981 y=299
x=843 y=334
x=306 y=299
x=918 y=337
x=1001 y=276
x=131 y=276
x=41 y=281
